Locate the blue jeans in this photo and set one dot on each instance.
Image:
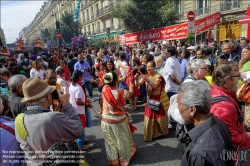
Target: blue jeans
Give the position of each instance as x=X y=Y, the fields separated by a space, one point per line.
x=89 y=87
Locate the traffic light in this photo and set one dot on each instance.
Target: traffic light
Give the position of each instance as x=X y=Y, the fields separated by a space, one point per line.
x=58 y=29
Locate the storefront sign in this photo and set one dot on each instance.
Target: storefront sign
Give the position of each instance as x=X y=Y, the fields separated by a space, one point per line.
x=206 y=23
x=177 y=31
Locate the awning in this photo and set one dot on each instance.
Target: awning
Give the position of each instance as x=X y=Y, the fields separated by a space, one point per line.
x=245 y=20
x=102 y=36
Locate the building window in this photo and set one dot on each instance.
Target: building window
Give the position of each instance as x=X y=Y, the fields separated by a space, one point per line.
x=83 y=17
x=230 y=4
x=97 y=9
x=93 y=28
x=92 y=13
x=111 y=23
x=87 y=13
x=202 y=7
x=178 y=6
x=98 y=26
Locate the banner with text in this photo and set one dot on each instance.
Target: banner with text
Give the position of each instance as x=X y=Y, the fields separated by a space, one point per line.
x=206 y=23
x=178 y=31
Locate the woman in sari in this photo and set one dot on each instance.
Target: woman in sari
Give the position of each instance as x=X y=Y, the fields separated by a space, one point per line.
x=155 y=122
x=244 y=66
x=119 y=144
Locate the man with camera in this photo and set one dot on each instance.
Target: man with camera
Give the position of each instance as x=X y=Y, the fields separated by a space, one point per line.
x=39 y=128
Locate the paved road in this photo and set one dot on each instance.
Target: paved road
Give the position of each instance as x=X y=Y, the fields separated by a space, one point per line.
x=163 y=151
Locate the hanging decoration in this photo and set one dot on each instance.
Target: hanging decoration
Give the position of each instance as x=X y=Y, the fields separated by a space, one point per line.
x=77 y=11
x=79 y=41
x=37 y=43
x=20 y=44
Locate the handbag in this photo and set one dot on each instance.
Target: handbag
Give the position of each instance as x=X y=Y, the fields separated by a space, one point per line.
x=243 y=92
x=154 y=104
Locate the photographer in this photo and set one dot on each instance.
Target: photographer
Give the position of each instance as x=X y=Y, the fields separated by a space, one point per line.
x=40 y=124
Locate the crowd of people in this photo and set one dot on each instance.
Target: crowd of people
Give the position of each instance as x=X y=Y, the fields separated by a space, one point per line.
x=187 y=87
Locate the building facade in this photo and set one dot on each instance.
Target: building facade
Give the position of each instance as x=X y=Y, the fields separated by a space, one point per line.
x=94 y=18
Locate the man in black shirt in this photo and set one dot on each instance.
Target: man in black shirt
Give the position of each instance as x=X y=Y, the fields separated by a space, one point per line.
x=15 y=85
x=210 y=137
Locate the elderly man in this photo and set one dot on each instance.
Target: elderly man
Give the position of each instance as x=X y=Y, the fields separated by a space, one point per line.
x=197 y=70
x=84 y=67
x=15 y=85
x=226 y=77
x=210 y=136
x=192 y=50
x=235 y=48
x=226 y=48
x=39 y=128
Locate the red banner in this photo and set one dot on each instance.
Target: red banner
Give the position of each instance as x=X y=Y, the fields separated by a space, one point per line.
x=178 y=31
x=206 y=23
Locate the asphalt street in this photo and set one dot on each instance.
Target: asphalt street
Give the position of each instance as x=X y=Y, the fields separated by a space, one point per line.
x=162 y=151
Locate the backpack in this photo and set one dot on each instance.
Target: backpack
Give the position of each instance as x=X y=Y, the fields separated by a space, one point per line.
x=225 y=98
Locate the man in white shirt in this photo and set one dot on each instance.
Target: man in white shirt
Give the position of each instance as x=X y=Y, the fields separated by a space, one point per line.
x=172 y=73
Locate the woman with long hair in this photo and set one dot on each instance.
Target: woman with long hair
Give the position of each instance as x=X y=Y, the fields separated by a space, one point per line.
x=62 y=63
x=79 y=103
x=119 y=144
x=36 y=70
x=155 y=120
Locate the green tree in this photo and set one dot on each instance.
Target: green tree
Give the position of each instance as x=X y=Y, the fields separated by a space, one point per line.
x=139 y=15
x=68 y=27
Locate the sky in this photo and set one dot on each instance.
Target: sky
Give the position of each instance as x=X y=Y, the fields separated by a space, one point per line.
x=16 y=14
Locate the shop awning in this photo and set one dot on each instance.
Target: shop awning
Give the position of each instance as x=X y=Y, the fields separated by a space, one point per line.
x=245 y=20
x=102 y=36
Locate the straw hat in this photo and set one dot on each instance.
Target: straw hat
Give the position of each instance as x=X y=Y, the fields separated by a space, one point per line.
x=35 y=89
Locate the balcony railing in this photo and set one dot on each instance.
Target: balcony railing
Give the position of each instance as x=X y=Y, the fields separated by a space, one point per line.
x=202 y=11
x=93 y=32
x=230 y=5
x=98 y=31
x=108 y=8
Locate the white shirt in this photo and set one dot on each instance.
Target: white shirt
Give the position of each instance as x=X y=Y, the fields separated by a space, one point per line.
x=123 y=72
x=39 y=73
x=77 y=92
x=172 y=67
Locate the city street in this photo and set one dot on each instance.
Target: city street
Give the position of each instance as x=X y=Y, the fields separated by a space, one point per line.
x=163 y=151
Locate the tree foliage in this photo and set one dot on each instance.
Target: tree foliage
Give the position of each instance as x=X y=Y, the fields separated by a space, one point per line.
x=139 y=15
x=68 y=27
